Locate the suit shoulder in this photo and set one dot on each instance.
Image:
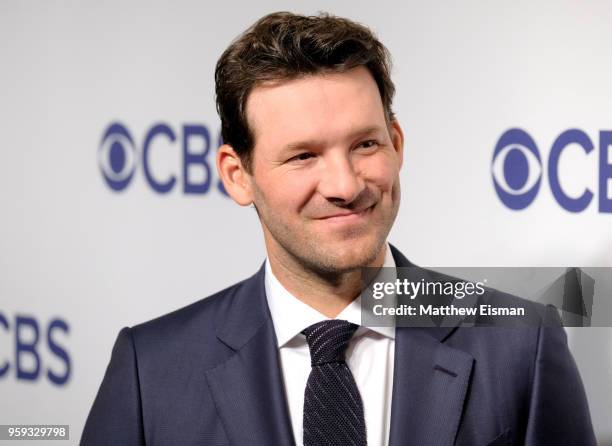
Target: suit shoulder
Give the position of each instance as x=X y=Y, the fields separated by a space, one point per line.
x=535 y=313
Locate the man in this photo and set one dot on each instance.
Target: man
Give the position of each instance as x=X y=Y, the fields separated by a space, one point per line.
x=280 y=358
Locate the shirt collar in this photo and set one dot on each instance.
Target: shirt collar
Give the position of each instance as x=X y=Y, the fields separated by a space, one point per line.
x=290 y=315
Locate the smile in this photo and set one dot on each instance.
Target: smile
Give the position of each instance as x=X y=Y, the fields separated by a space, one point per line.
x=352 y=217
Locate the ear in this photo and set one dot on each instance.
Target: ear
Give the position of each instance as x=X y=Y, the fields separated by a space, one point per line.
x=397 y=138
x=236 y=179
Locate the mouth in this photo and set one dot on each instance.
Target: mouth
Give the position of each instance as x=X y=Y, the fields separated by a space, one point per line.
x=348 y=217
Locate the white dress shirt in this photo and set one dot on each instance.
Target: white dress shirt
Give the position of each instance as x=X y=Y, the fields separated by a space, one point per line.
x=369 y=356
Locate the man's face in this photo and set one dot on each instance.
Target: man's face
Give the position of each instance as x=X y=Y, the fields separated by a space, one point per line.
x=325 y=171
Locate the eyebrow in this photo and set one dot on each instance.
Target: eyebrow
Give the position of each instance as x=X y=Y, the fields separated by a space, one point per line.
x=310 y=143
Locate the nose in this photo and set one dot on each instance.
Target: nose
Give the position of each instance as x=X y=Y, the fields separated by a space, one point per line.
x=339 y=181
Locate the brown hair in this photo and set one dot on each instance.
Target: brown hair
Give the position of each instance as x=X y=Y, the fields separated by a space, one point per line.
x=283 y=46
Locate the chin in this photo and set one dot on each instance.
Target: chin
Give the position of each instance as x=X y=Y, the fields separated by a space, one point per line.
x=350 y=254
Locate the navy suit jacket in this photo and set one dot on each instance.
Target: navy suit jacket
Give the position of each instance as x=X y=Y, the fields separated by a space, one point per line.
x=209 y=374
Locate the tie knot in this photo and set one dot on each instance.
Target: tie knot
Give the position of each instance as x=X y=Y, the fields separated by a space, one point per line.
x=328 y=340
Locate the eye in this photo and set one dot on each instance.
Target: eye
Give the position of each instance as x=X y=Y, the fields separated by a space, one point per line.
x=301 y=157
x=369 y=144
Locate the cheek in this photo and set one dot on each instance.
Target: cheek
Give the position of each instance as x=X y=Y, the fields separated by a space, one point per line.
x=381 y=171
x=288 y=191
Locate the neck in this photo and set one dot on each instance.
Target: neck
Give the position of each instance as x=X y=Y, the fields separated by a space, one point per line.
x=328 y=293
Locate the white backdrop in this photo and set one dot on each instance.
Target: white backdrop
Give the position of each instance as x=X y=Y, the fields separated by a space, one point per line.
x=73 y=250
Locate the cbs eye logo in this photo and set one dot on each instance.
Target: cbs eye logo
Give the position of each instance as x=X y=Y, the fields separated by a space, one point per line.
x=516 y=169
x=117 y=157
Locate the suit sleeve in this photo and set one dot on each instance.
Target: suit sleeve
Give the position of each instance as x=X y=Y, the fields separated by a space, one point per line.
x=116 y=416
x=558 y=411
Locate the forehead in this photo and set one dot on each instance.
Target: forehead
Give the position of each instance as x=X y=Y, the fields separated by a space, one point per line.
x=322 y=106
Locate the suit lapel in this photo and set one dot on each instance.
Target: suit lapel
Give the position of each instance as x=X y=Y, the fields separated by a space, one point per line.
x=248 y=388
x=429 y=385
x=430 y=382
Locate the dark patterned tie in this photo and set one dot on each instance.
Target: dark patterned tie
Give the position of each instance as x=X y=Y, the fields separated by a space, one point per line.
x=333 y=411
